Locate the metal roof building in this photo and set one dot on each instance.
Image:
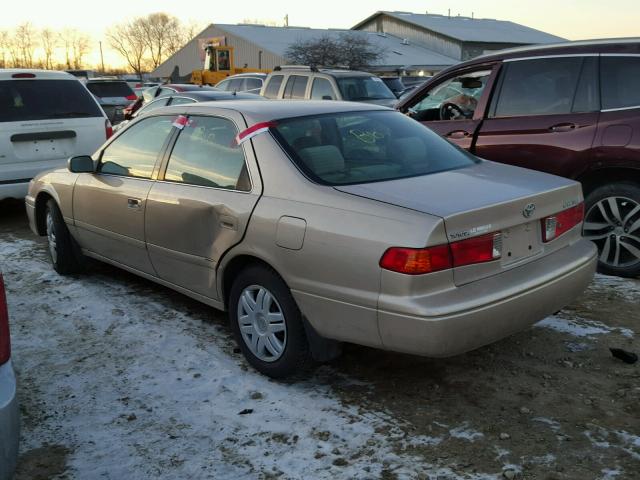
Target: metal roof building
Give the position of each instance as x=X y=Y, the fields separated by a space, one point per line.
x=459 y=37
x=258 y=46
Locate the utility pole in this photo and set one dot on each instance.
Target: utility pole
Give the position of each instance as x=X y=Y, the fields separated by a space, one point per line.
x=286 y=20
x=101 y=57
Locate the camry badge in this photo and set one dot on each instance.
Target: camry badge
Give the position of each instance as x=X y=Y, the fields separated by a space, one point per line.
x=528 y=210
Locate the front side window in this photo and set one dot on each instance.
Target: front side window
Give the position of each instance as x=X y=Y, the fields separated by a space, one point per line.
x=321 y=89
x=296 y=86
x=134 y=152
x=223 y=85
x=545 y=86
x=206 y=155
x=252 y=83
x=160 y=102
x=362 y=147
x=273 y=86
x=181 y=100
x=25 y=100
x=619 y=77
x=357 y=89
x=454 y=99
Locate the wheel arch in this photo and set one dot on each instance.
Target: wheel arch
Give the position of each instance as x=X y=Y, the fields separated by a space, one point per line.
x=595 y=178
x=40 y=209
x=234 y=266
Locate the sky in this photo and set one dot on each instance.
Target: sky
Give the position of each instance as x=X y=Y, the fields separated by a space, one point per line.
x=572 y=19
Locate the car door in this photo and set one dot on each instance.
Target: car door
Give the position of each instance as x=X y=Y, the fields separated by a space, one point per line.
x=468 y=90
x=109 y=205
x=543 y=115
x=201 y=204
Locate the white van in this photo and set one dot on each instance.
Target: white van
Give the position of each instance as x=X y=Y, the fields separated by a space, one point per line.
x=45 y=118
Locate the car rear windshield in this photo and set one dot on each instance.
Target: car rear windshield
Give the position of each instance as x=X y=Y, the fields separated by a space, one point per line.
x=357 y=89
x=362 y=147
x=25 y=100
x=110 y=89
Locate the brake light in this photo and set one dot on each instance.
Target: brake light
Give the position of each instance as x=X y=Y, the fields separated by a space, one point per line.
x=138 y=85
x=108 y=129
x=555 y=225
x=132 y=97
x=485 y=248
x=23 y=75
x=416 y=261
x=5 y=341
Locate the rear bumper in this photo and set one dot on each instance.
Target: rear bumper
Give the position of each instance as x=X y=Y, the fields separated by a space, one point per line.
x=14 y=190
x=484 y=311
x=9 y=422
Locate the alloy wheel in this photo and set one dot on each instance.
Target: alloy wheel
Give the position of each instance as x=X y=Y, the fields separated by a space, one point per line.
x=262 y=323
x=613 y=224
x=51 y=237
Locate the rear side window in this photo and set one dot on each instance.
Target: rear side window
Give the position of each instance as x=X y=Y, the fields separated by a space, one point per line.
x=321 y=89
x=206 y=155
x=24 y=100
x=273 y=86
x=362 y=147
x=539 y=87
x=110 y=89
x=620 y=82
x=135 y=151
x=296 y=86
x=252 y=83
x=161 y=102
x=181 y=100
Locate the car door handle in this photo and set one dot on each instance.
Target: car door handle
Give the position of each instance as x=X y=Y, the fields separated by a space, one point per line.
x=563 y=127
x=229 y=222
x=458 y=134
x=133 y=203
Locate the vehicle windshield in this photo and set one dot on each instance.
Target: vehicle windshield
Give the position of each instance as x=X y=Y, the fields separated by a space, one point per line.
x=110 y=89
x=24 y=100
x=367 y=146
x=357 y=89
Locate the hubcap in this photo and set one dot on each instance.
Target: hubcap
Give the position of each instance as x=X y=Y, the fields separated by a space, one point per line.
x=51 y=237
x=262 y=323
x=614 y=225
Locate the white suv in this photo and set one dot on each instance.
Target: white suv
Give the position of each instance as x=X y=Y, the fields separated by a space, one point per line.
x=45 y=118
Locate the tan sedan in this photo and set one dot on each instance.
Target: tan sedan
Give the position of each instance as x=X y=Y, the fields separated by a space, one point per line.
x=316 y=223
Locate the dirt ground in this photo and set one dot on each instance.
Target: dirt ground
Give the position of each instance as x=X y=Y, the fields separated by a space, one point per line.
x=548 y=403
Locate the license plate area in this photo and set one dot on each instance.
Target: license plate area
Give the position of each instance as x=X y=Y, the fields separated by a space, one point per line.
x=520 y=242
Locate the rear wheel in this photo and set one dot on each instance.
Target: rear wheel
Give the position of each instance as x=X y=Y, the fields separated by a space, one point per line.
x=62 y=248
x=267 y=323
x=612 y=222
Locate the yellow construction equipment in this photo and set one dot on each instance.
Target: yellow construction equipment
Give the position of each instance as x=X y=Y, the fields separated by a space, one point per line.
x=218 y=63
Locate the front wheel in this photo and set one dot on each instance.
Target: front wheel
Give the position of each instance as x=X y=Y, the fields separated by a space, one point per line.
x=612 y=222
x=267 y=323
x=60 y=242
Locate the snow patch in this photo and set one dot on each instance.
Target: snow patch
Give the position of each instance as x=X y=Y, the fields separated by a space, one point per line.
x=580 y=327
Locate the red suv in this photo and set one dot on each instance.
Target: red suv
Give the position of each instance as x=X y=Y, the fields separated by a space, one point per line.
x=571 y=109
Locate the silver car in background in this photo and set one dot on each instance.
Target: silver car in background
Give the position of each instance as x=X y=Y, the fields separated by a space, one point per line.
x=113 y=96
x=9 y=412
x=315 y=223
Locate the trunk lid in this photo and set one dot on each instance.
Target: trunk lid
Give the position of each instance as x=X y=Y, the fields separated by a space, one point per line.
x=485 y=198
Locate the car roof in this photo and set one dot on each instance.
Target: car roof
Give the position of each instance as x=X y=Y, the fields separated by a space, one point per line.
x=256 y=111
x=185 y=87
x=254 y=74
x=105 y=80
x=7 y=74
x=335 y=72
x=210 y=95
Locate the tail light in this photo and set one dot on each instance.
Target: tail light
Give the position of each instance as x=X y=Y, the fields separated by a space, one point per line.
x=132 y=97
x=108 y=129
x=5 y=341
x=23 y=75
x=418 y=261
x=555 y=225
x=485 y=248
x=138 y=85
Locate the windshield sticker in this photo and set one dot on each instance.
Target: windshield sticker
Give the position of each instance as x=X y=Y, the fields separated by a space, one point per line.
x=366 y=136
x=181 y=122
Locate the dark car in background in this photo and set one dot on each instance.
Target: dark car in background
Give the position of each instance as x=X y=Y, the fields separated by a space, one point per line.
x=570 y=109
x=113 y=96
x=395 y=85
x=161 y=91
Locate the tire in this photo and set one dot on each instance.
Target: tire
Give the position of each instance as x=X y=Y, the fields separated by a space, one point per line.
x=62 y=248
x=267 y=323
x=612 y=222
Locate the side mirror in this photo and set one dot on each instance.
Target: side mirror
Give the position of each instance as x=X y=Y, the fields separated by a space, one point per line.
x=81 y=164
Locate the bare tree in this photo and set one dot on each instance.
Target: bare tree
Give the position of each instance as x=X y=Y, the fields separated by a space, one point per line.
x=66 y=38
x=129 y=40
x=80 y=46
x=348 y=50
x=25 y=43
x=50 y=41
x=162 y=33
x=5 y=38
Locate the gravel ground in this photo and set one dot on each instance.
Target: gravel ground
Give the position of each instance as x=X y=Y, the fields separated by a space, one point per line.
x=124 y=379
